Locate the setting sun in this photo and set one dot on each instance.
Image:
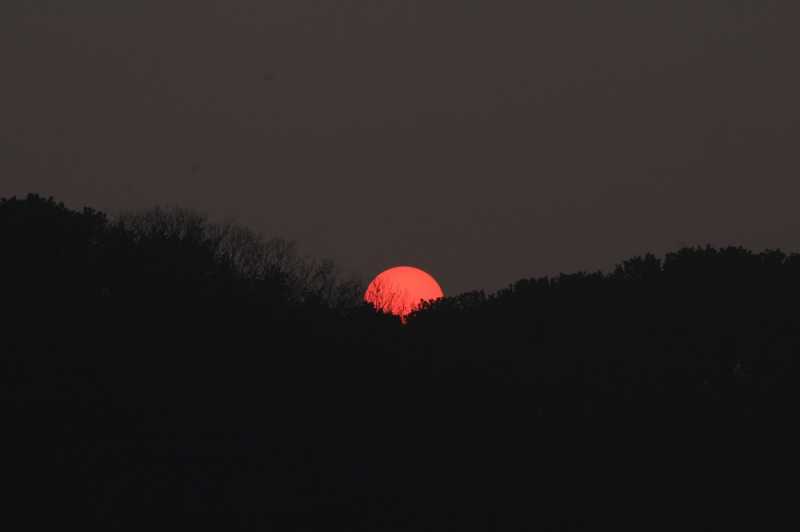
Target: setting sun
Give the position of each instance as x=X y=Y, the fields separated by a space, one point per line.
x=400 y=290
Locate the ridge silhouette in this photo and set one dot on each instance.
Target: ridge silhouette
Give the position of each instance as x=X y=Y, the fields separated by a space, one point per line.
x=160 y=369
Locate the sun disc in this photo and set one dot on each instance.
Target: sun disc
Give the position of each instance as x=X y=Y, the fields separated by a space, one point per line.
x=401 y=290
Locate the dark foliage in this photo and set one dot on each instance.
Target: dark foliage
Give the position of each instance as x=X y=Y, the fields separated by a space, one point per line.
x=159 y=370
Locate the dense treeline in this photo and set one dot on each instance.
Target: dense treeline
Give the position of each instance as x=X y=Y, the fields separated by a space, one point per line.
x=159 y=369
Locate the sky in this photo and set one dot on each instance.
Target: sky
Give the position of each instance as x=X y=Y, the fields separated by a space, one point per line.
x=482 y=140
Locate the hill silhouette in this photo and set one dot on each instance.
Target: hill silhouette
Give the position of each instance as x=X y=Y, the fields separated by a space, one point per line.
x=162 y=370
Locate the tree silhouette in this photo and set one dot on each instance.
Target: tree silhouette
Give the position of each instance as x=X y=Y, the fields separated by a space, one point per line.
x=160 y=367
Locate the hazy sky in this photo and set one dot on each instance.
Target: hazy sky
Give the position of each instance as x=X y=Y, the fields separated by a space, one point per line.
x=481 y=140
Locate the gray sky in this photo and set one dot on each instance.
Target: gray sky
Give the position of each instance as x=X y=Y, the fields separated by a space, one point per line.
x=483 y=140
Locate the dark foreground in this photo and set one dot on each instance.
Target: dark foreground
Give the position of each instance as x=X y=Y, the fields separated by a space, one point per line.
x=159 y=372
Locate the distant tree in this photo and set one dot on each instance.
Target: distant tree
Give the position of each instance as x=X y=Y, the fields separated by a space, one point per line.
x=386 y=298
x=186 y=241
x=640 y=269
x=48 y=248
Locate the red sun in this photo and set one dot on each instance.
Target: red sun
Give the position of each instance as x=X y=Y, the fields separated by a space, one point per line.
x=401 y=289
